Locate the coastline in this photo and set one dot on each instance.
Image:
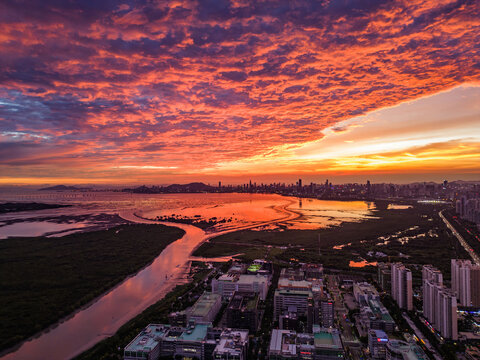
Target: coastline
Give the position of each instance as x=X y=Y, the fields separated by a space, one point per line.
x=132 y=217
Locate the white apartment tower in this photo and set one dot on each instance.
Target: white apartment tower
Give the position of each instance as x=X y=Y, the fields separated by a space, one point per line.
x=402 y=286
x=461 y=282
x=448 y=308
x=439 y=303
x=432 y=280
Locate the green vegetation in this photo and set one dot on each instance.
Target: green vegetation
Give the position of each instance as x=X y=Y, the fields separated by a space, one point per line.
x=179 y=298
x=419 y=228
x=15 y=207
x=45 y=279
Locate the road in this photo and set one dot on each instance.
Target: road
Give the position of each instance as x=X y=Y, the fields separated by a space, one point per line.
x=422 y=337
x=341 y=313
x=460 y=238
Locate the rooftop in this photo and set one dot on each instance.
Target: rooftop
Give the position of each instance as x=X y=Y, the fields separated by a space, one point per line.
x=195 y=333
x=248 y=279
x=254 y=267
x=244 y=300
x=283 y=342
x=293 y=292
x=379 y=334
x=232 y=342
x=204 y=304
x=287 y=283
x=327 y=338
x=409 y=351
x=146 y=340
x=379 y=310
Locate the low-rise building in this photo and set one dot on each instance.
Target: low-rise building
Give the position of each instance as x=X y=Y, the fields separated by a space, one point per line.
x=323 y=344
x=227 y=284
x=401 y=350
x=377 y=344
x=374 y=315
x=205 y=308
x=313 y=271
x=363 y=291
x=285 y=300
x=203 y=311
x=233 y=344
x=295 y=274
x=146 y=345
x=199 y=341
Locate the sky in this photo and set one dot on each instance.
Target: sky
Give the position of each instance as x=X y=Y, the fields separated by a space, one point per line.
x=156 y=92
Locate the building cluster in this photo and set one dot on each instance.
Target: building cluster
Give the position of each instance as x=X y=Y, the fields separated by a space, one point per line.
x=306 y=322
x=444 y=191
x=468 y=207
x=321 y=343
x=440 y=302
x=375 y=321
x=373 y=315
x=301 y=301
x=381 y=347
x=196 y=341
x=302 y=307
x=466 y=282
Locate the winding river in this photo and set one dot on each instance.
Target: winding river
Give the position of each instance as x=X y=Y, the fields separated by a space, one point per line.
x=103 y=317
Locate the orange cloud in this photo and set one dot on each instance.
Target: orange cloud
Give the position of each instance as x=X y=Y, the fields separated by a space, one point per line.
x=190 y=87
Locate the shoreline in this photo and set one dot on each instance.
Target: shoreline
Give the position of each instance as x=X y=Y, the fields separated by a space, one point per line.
x=132 y=217
x=85 y=306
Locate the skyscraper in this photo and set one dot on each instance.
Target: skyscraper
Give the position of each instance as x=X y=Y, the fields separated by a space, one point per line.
x=402 y=286
x=475 y=285
x=448 y=309
x=439 y=303
x=432 y=279
x=461 y=285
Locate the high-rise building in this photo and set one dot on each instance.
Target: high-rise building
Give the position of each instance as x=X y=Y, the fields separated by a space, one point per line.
x=448 y=311
x=432 y=278
x=384 y=276
x=439 y=303
x=461 y=285
x=475 y=285
x=402 y=286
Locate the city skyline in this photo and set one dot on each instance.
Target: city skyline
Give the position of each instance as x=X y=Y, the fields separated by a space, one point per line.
x=161 y=93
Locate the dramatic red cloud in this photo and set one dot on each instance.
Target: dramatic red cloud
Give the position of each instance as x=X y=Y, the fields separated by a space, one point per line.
x=90 y=90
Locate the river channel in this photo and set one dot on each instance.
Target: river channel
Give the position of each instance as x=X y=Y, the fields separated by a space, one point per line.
x=103 y=317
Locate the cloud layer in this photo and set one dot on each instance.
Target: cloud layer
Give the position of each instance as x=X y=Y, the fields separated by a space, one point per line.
x=183 y=86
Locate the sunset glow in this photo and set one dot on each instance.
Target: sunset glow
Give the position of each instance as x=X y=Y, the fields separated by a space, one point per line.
x=160 y=92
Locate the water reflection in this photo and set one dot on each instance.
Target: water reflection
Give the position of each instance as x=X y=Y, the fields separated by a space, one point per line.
x=361 y=264
x=112 y=310
x=35 y=228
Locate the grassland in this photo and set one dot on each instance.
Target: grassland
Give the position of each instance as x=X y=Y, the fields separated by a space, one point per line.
x=45 y=279
x=427 y=241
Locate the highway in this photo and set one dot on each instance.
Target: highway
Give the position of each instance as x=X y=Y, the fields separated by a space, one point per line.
x=460 y=238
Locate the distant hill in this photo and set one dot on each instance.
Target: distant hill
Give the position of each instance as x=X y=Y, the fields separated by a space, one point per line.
x=62 y=188
x=196 y=187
